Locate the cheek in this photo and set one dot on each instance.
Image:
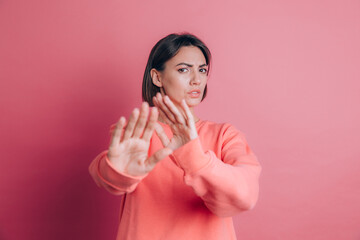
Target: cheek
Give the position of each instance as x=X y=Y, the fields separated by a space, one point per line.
x=177 y=82
x=175 y=88
x=205 y=78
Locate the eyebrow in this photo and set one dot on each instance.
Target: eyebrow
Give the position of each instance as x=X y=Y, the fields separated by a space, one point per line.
x=189 y=65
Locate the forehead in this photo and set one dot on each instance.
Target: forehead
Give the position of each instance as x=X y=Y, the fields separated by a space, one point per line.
x=188 y=54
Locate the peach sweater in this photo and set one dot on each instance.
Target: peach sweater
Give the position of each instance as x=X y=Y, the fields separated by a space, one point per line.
x=191 y=194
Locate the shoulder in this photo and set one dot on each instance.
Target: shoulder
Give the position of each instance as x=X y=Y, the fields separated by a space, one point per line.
x=220 y=127
x=224 y=139
x=221 y=130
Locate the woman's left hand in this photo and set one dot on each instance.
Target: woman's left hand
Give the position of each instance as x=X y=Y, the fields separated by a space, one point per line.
x=181 y=122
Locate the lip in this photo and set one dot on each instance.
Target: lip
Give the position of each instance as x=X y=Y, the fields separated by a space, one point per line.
x=195 y=93
x=194 y=90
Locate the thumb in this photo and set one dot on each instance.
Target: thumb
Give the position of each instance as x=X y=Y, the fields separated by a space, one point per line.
x=157 y=157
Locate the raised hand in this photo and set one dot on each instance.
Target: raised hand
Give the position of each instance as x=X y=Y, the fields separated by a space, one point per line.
x=181 y=122
x=128 y=151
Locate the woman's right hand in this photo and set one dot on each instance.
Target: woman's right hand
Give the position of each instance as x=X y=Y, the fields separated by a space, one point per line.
x=128 y=151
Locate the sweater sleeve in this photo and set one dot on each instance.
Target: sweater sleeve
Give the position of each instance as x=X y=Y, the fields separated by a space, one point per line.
x=105 y=175
x=228 y=185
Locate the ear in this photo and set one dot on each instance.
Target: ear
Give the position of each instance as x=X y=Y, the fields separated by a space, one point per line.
x=156 y=77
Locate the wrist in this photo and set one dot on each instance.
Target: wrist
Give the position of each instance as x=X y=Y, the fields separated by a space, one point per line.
x=193 y=135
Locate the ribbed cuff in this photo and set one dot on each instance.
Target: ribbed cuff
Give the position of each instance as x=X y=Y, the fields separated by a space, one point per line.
x=191 y=156
x=117 y=179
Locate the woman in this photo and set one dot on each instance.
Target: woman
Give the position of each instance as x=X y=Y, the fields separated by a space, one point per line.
x=188 y=179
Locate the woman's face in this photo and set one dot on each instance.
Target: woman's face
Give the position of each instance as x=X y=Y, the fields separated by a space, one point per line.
x=184 y=77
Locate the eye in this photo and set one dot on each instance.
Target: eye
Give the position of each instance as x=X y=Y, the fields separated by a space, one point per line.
x=182 y=70
x=203 y=70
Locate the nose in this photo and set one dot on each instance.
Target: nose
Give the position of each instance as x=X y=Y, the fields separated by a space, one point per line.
x=195 y=79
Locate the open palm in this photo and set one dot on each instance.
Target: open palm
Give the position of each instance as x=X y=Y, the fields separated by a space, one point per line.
x=128 y=151
x=180 y=120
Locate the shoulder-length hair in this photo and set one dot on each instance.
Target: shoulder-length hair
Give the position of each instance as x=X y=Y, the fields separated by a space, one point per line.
x=165 y=49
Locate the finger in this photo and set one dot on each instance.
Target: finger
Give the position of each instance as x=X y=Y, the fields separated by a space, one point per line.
x=141 y=122
x=161 y=105
x=156 y=157
x=162 y=114
x=164 y=118
x=116 y=137
x=162 y=135
x=151 y=124
x=189 y=116
x=190 y=120
x=174 y=110
x=131 y=124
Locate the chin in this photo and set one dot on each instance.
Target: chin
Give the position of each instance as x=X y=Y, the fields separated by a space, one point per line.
x=193 y=102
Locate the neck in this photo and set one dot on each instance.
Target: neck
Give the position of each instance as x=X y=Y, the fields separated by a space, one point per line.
x=196 y=119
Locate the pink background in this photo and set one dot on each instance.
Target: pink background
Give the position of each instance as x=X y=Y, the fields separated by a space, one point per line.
x=286 y=73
